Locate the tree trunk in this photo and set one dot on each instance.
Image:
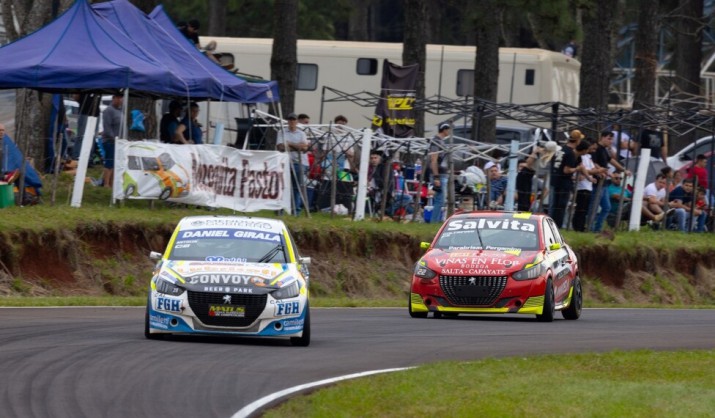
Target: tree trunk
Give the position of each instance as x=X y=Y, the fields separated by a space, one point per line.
x=31 y=113
x=646 y=60
x=414 y=51
x=359 y=20
x=597 y=57
x=218 y=9
x=284 y=54
x=486 y=66
x=688 y=59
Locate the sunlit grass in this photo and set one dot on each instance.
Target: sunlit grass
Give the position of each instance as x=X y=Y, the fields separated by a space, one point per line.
x=619 y=384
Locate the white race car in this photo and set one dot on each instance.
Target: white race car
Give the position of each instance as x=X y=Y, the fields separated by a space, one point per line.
x=230 y=275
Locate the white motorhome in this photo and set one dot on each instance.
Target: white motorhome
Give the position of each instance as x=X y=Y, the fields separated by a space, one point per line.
x=526 y=76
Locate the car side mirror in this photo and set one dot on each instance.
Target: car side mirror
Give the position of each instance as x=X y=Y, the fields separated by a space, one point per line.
x=555 y=246
x=424 y=245
x=155 y=255
x=304 y=260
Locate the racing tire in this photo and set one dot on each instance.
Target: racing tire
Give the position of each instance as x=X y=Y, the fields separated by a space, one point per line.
x=303 y=340
x=574 y=309
x=547 y=314
x=129 y=191
x=414 y=314
x=165 y=194
x=147 y=333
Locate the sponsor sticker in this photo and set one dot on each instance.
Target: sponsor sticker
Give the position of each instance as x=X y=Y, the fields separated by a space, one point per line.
x=293 y=324
x=287 y=308
x=168 y=304
x=227 y=311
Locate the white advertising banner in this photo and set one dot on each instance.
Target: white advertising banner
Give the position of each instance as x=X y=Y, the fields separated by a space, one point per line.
x=208 y=175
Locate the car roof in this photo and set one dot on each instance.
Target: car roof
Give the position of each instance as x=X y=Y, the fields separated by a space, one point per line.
x=498 y=214
x=242 y=222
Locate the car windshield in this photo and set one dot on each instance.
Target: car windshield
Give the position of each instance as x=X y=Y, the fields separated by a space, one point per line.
x=489 y=234
x=229 y=245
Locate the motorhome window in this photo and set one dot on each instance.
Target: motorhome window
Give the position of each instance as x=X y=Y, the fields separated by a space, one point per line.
x=307 y=77
x=529 y=79
x=367 y=66
x=465 y=83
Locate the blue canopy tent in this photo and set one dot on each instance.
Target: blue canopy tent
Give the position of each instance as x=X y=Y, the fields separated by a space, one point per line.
x=161 y=39
x=84 y=49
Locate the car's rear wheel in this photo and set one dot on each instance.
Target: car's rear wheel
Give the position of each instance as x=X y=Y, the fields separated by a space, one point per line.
x=303 y=340
x=574 y=309
x=412 y=313
x=147 y=332
x=547 y=314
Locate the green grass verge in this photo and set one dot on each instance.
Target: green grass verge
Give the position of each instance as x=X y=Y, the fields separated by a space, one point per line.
x=619 y=384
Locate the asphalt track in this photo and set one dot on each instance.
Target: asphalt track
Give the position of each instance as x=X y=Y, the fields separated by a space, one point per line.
x=95 y=362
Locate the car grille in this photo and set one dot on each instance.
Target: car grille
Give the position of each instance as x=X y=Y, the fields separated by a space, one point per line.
x=200 y=301
x=472 y=290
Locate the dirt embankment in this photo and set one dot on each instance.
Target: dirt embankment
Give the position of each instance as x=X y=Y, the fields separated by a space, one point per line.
x=112 y=259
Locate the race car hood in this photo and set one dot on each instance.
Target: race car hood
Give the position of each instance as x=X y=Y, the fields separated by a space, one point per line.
x=254 y=278
x=477 y=262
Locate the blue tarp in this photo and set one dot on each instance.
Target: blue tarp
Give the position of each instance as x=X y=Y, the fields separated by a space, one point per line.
x=84 y=50
x=12 y=159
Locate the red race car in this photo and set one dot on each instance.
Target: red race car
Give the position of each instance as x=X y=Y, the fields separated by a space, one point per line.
x=497 y=262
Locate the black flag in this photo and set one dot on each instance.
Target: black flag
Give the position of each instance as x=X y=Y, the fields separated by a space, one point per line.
x=394 y=113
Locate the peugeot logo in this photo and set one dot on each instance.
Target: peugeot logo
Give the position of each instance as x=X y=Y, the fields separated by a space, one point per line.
x=473 y=281
x=227 y=299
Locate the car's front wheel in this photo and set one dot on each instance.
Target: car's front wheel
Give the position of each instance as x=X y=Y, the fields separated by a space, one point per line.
x=303 y=340
x=165 y=194
x=574 y=309
x=547 y=314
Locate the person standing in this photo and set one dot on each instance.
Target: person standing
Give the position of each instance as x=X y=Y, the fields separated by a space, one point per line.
x=497 y=184
x=656 y=142
x=190 y=128
x=169 y=125
x=584 y=184
x=564 y=166
x=699 y=170
x=294 y=140
x=602 y=157
x=112 y=122
x=438 y=170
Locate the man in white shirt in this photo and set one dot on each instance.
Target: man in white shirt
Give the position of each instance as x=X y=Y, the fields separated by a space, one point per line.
x=295 y=141
x=654 y=199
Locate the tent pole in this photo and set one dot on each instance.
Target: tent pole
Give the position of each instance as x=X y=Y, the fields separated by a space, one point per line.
x=208 y=127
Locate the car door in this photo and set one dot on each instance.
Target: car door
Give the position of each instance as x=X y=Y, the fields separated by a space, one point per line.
x=559 y=257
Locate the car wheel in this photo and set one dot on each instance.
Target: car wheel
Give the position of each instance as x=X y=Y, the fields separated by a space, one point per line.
x=165 y=194
x=574 y=309
x=303 y=340
x=147 y=333
x=547 y=314
x=129 y=191
x=414 y=314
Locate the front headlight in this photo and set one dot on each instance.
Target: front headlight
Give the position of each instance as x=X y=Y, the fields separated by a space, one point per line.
x=168 y=288
x=530 y=272
x=423 y=272
x=290 y=291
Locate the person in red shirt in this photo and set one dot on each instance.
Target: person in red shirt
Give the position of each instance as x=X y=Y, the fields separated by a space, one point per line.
x=698 y=170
